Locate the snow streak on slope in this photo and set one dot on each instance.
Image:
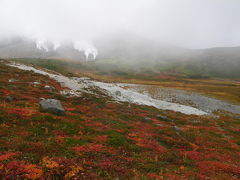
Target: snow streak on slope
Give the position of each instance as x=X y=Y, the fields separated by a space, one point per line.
x=142 y=99
x=114 y=90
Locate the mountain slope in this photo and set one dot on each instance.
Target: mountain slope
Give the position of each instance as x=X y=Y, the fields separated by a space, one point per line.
x=98 y=138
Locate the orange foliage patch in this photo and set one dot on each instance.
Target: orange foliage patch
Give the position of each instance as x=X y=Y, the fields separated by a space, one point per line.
x=7 y=155
x=47 y=162
x=91 y=147
x=22 y=170
x=73 y=172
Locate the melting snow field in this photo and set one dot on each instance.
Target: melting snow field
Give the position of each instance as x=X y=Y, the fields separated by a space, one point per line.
x=116 y=91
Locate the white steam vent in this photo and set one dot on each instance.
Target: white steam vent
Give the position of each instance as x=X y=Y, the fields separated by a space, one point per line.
x=56 y=45
x=89 y=50
x=42 y=45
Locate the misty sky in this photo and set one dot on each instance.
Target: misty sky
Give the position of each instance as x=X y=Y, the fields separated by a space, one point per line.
x=187 y=23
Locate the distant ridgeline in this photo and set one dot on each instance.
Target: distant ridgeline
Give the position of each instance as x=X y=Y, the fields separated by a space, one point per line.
x=131 y=55
x=40 y=48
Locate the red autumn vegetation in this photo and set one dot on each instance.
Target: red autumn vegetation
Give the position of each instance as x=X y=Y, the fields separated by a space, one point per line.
x=100 y=139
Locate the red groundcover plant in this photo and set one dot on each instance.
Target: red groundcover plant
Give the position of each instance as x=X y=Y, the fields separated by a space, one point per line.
x=21 y=170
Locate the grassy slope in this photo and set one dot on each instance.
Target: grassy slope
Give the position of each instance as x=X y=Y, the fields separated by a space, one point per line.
x=100 y=139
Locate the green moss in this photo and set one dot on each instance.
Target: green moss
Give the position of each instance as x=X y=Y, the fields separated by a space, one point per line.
x=38 y=130
x=73 y=142
x=44 y=118
x=69 y=128
x=189 y=135
x=116 y=139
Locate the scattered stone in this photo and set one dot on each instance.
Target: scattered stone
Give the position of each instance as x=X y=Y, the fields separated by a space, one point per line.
x=36 y=83
x=9 y=98
x=118 y=93
x=12 y=80
x=147 y=119
x=52 y=106
x=164 y=118
x=71 y=93
x=177 y=128
x=195 y=121
x=49 y=87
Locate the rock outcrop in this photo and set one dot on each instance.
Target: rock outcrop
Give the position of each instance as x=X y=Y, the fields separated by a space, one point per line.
x=52 y=106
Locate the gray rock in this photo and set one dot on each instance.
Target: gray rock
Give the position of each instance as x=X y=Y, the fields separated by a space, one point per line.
x=8 y=98
x=177 y=128
x=118 y=93
x=36 y=83
x=52 y=106
x=12 y=80
x=49 y=87
x=164 y=118
x=147 y=119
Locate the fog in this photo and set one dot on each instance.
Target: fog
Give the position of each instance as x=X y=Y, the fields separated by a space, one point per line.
x=186 y=23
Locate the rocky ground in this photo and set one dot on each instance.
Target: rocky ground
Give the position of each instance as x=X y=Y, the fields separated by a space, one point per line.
x=202 y=102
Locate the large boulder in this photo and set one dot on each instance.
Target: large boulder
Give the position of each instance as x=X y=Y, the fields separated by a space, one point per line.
x=52 y=106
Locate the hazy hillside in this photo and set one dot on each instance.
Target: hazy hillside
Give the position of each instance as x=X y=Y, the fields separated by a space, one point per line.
x=127 y=52
x=216 y=62
x=136 y=53
x=26 y=48
x=132 y=47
